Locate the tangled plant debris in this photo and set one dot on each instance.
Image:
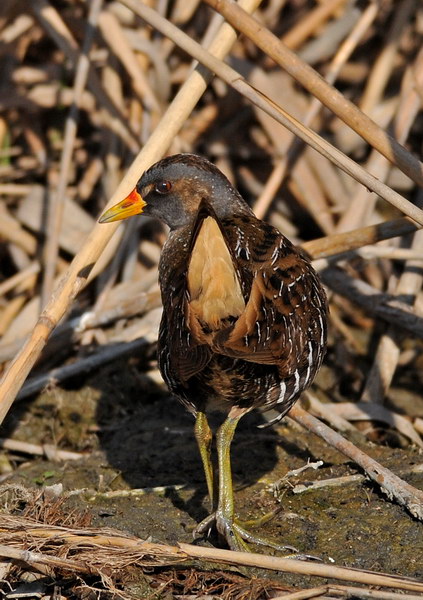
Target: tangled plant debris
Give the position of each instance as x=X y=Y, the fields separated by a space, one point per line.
x=84 y=87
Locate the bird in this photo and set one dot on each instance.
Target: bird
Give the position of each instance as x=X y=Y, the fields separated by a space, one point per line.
x=244 y=322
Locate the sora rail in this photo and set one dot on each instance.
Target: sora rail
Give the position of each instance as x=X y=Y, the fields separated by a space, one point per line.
x=244 y=313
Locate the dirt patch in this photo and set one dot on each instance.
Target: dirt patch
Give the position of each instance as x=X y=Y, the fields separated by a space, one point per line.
x=140 y=472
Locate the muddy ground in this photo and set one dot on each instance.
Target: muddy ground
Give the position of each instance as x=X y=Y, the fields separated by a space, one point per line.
x=133 y=435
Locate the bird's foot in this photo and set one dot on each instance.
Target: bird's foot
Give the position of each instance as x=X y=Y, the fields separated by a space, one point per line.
x=236 y=535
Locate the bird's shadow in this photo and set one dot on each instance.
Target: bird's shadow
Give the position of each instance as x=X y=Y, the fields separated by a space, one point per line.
x=148 y=436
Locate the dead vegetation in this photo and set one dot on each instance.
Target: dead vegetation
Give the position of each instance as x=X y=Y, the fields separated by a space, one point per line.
x=105 y=560
x=91 y=94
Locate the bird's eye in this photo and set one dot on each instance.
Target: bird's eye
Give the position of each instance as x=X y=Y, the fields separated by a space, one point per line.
x=163 y=187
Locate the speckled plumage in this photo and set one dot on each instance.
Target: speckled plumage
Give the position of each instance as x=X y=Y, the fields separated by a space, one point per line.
x=244 y=313
x=269 y=354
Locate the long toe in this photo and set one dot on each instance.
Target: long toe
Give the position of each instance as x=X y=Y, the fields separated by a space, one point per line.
x=238 y=538
x=204 y=528
x=262 y=541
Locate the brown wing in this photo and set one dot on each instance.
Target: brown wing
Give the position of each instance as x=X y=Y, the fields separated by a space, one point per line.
x=285 y=315
x=280 y=317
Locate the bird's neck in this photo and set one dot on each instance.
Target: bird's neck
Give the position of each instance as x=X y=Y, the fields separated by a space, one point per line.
x=227 y=203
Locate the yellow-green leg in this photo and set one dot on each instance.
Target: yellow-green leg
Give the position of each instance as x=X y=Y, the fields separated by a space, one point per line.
x=204 y=437
x=226 y=523
x=224 y=517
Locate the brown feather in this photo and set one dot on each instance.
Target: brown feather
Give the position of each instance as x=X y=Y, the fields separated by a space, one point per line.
x=244 y=319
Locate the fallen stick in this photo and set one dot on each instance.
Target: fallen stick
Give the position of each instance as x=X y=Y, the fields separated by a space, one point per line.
x=37 y=558
x=336 y=243
x=318 y=87
x=290 y=565
x=345 y=591
x=376 y=303
x=47 y=450
x=103 y=356
x=293 y=150
x=319 y=484
x=390 y=484
x=94 y=548
x=240 y=84
x=81 y=267
x=56 y=200
x=388 y=350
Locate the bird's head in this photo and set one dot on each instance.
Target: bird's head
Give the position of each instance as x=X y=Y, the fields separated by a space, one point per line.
x=172 y=190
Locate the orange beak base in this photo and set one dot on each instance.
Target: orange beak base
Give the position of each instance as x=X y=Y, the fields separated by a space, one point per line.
x=132 y=205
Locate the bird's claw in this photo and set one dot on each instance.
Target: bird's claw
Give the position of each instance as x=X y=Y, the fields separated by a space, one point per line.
x=204 y=528
x=236 y=535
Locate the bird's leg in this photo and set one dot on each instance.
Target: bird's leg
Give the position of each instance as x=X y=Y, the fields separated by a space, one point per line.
x=229 y=527
x=204 y=437
x=225 y=518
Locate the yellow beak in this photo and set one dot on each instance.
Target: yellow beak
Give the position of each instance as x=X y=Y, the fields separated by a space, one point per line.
x=130 y=206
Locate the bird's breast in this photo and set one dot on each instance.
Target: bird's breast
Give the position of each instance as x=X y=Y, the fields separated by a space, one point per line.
x=213 y=284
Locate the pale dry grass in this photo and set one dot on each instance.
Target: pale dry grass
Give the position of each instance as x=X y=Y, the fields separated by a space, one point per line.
x=91 y=95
